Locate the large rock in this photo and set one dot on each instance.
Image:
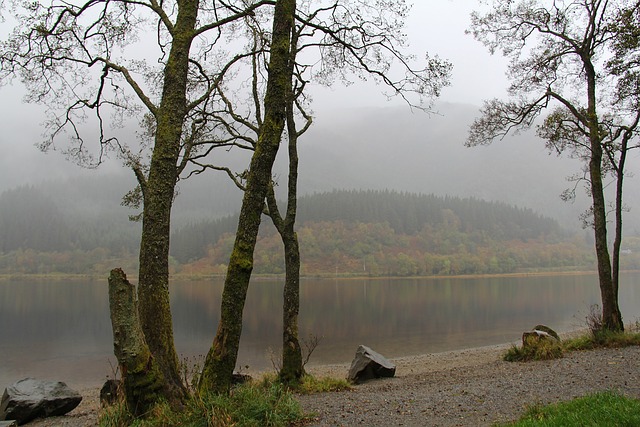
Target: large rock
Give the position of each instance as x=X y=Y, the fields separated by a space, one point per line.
x=368 y=364
x=538 y=334
x=28 y=399
x=548 y=330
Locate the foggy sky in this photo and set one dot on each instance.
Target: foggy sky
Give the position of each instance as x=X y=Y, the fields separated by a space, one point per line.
x=437 y=27
x=434 y=26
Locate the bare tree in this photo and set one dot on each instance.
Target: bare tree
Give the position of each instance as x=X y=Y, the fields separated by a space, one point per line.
x=558 y=58
x=625 y=66
x=245 y=127
x=90 y=63
x=351 y=38
x=221 y=359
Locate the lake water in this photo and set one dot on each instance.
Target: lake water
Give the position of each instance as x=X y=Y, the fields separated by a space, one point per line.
x=62 y=330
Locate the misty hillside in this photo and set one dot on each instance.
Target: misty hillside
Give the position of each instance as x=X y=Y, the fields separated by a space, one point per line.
x=391 y=148
x=403 y=213
x=410 y=151
x=388 y=233
x=351 y=232
x=363 y=149
x=397 y=149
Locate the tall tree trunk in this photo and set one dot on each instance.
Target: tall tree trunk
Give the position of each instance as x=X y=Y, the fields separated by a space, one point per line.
x=611 y=316
x=617 y=241
x=142 y=377
x=158 y=193
x=292 y=365
x=292 y=369
x=221 y=358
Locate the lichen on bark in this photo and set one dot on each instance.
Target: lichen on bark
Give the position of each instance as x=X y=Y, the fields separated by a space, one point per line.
x=142 y=378
x=221 y=358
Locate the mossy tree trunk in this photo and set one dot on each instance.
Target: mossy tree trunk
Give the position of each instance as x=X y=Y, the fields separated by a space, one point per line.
x=142 y=377
x=158 y=193
x=611 y=315
x=292 y=365
x=221 y=358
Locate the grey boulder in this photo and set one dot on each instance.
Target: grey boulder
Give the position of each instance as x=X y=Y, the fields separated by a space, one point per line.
x=368 y=365
x=539 y=334
x=28 y=399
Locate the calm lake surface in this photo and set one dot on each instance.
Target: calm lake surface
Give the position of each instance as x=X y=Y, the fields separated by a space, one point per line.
x=62 y=330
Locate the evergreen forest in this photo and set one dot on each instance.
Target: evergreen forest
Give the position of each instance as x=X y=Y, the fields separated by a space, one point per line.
x=341 y=232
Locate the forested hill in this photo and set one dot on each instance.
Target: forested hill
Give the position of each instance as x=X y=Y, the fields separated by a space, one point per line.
x=375 y=233
x=404 y=213
x=408 y=213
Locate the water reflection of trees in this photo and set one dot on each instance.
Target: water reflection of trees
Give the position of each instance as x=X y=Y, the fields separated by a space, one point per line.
x=416 y=315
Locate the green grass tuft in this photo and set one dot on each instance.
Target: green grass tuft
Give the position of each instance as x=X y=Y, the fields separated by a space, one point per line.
x=547 y=349
x=310 y=384
x=542 y=350
x=248 y=405
x=600 y=409
x=603 y=339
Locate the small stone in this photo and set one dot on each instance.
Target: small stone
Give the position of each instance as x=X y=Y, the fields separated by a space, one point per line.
x=110 y=392
x=548 y=330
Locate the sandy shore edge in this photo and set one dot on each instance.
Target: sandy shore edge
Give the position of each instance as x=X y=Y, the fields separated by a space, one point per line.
x=86 y=414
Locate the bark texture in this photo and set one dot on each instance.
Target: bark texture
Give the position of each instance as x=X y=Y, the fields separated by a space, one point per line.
x=292 y=368
x=221 y=358
x=142 y=378
x=611 y=316
x=292 y=365
x=158 y=193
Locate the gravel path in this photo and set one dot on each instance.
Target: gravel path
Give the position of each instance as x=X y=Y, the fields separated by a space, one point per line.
x=460 y=388
x=474 y=388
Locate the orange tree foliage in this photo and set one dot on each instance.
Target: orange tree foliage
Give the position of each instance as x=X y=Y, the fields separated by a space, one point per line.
x=374 y=249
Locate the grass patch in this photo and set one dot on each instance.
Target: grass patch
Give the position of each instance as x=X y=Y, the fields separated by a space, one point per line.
x=542 y=350
x=597 y=338
x=248 y=405
x=309 y=384
x=264 y=402
x=603 y=339
x=600 y=409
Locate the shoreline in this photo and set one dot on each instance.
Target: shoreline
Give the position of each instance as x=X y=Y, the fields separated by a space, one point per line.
x=262 y=277
x=424 y=363
x=467 y=387
x=86 y=414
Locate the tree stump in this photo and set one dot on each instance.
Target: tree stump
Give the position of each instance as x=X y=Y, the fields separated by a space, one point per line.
x=142 y=378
